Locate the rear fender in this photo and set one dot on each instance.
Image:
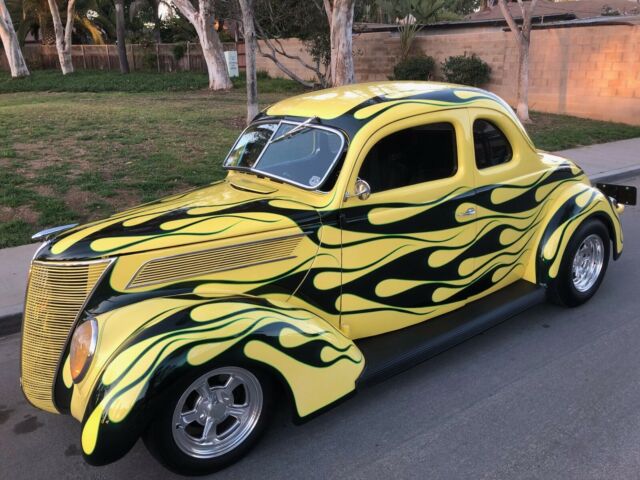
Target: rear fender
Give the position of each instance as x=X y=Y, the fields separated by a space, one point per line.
x=578 y=203
x=316 y=363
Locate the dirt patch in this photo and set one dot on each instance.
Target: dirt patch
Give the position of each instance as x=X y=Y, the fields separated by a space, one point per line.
x=77 y=199
x=43 y=190
x=37 y=157
x=124 y=199
x=23 y=212
x=237 y=122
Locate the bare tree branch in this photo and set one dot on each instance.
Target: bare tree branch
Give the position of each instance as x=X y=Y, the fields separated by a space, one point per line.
x=509 y=18
x=276 y=48
x=328 y=8
x=272 y=56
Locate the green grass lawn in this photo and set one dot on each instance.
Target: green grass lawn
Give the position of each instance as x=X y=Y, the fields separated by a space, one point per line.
x=561 y=132
x=103 y=81
x=77 y=156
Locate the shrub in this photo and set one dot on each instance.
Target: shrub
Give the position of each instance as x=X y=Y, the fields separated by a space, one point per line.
x=262 y=75
x=414 y=68
x=179 y=50
x=466 y=70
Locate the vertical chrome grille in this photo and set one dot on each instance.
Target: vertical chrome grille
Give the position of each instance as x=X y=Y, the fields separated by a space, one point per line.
x=55 y=295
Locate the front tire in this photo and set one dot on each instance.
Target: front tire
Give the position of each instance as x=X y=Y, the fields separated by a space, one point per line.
x=583 y=265
x=213 y=422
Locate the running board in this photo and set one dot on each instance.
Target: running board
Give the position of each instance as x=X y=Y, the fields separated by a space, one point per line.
x=391 y=353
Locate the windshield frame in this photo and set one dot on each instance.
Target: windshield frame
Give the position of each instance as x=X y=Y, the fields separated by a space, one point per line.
x=279 y=122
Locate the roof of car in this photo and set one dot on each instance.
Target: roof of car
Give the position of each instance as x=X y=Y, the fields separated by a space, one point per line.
x=365 y=99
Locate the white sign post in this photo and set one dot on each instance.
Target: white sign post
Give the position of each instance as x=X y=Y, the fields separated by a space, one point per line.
x=231 y=57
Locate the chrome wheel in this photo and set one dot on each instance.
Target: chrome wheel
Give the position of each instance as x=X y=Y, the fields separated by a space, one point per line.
x=587 y=263
x=217 y=412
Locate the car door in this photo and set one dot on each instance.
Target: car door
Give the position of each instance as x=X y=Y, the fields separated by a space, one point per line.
x=507 y=211
x=404 y=247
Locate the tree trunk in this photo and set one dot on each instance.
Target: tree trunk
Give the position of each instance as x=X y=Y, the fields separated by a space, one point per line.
x=523 y=39
x=250 y=58
x=341 y=29
x=11 y=45
x=212 y=51
x=63 y=34
x=522 y=107
x=120 y=34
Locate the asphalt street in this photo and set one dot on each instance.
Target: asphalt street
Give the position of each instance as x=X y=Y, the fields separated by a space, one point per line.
x=551 y=394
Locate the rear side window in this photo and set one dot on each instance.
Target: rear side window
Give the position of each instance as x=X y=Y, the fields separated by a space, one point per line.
x=411 y=156
x=491 y=145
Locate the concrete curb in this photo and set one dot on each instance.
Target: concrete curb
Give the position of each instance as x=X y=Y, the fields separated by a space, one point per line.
x=11 y=319
x=613 y=175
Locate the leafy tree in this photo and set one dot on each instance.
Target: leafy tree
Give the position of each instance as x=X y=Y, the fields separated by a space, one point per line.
x=411 y=15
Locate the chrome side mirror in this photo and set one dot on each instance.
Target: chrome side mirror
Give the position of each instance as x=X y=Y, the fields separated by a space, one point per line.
x=362 y=190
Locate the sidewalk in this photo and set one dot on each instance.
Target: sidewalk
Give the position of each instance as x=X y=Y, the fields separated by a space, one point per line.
x=603 y=162
x=14 y=268
x=607 y=161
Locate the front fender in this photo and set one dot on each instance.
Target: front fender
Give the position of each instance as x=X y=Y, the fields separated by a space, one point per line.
x=186 y=333
x=578 y=203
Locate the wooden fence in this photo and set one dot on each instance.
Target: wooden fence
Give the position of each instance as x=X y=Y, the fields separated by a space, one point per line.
x=160 y=57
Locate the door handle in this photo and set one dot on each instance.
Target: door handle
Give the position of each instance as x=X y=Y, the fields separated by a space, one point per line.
x=468 y=212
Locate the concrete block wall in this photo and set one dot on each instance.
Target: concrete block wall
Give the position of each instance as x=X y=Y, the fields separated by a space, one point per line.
x=589 y=72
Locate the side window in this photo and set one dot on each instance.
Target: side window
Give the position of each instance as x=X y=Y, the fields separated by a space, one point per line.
x=491 y=146
x=415 y=155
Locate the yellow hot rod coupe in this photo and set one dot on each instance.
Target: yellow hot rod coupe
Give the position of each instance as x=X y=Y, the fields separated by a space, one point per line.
x=359 y=230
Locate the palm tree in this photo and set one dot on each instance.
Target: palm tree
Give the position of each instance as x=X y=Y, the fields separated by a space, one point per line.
x=34 y=17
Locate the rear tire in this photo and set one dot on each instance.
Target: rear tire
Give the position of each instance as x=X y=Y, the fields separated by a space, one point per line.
x=583 y=265
x=212 y=422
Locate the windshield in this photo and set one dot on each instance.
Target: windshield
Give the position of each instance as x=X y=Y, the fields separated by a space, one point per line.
x=300 y=154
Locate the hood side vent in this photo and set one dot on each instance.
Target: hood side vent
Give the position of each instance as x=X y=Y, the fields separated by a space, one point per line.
x=214 y=260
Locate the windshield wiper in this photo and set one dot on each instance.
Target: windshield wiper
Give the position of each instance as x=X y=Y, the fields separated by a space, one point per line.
x=294 y=130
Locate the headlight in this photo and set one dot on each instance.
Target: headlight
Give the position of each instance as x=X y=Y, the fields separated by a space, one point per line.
x=83 y=346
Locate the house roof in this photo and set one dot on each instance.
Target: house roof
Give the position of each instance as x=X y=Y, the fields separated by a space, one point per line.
x=563 y=13
x=578 y=9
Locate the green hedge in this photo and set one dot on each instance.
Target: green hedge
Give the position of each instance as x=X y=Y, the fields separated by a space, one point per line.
x=415 y=68
x=466 y=70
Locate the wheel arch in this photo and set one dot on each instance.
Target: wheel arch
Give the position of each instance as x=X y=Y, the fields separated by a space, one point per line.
x=580 y=204
x=312 y=362
x=613 y=235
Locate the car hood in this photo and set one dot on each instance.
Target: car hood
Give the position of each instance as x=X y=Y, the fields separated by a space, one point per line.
x=230 y=208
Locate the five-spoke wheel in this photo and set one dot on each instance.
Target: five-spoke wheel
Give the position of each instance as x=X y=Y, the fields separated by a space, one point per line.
x=213 y=421
x=217 y=412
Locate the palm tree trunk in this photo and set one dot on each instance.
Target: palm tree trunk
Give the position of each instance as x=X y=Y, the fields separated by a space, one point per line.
x=120 y=35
